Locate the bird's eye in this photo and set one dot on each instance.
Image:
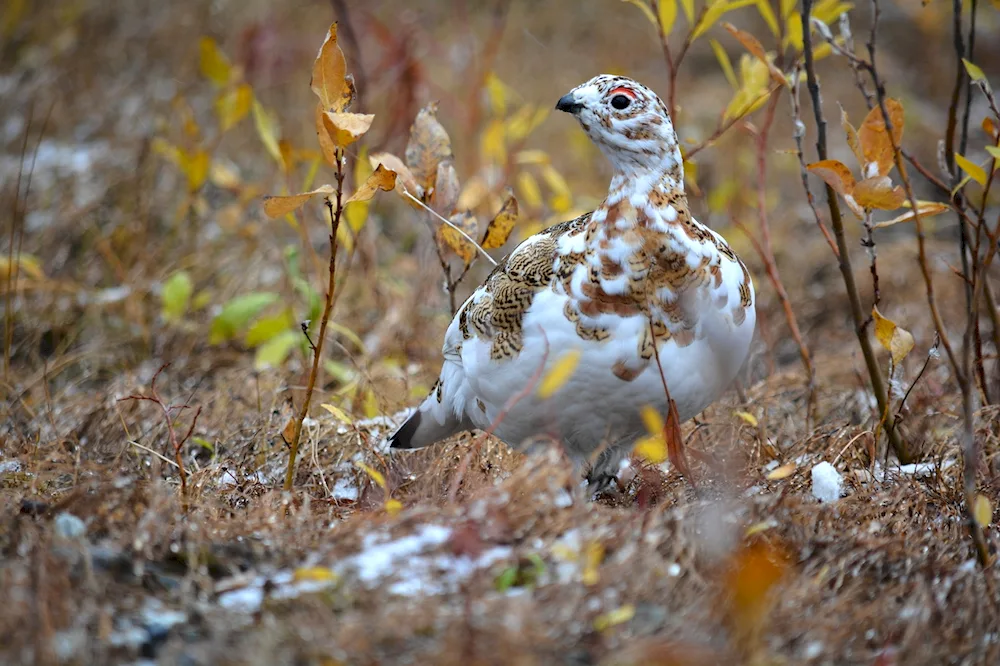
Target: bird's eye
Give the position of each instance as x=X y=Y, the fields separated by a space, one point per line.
x=620 y=102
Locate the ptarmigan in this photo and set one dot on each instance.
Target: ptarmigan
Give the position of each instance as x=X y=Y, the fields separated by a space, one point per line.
x=638 y=271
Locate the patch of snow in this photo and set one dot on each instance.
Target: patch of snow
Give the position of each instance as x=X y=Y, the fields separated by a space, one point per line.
x=826 y=482
x=69 y=526
x=378 y=560
x=10 y=467
x=562 y=499
x=345 y=489
x=244 y=600
x=813 y=650
x=673 y=570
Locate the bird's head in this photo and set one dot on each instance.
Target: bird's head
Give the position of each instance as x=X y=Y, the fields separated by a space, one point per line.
x=628 y=122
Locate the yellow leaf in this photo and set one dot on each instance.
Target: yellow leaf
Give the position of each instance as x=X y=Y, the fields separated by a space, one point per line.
x=593 y=555
x=975 y=73
x=317 y=574
x=766 y=13
x=976 y=172
x=652 y=420
x=793 y=36
x=375 y=475
x=757 y=528
x=267 y=130
x=688 y=7
x=994 y=151
x=338 y=413
x=782 y=472
x=753 y=573
x=214 y=65
x=346 y=128
x=895 y=339
x=924 y=208
x=278 y=206
x=195 y=166
x=828 y=11
x=233 y=106
x=381 y=179
x=530 y=192
x=652 y=448
x=878 y=192
x=667 y=15
x=748 y=417
x=429 y=145
x=559 y=373
x=393 y=506
x=786 y=7
x=492 y=142
x=532 y=157
x=724 y=63
x=497 y=93
x=620 y=615
x=499 y=228
x=982 y=510
x=647 y=12
x=329 y=74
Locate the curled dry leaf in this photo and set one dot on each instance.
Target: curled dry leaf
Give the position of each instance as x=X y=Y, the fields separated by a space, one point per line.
x=329 y=75
x=751 y=44
x=458 y=243
x=895 y=339
x=278 y=206
x=346 y=128
x=381 y=179
x=446 y=189
x=835 y=174
x=876 y=144
x=499 y=228
x=852 y=138
x=878 y=192
x=429 y=145
x=404 y=177
x=924 y=208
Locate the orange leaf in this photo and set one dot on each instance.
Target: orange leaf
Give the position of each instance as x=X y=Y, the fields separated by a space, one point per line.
x=278 y=206
x=329 y=75
x=381 y=179
x=404 y=177
x=751 y=44
x=876 y=144
x=852 y=138
x=835 y=174
x=878 y=192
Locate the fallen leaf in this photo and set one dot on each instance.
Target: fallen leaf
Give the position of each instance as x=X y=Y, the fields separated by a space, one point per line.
x=393 y=506
x=620 y=615
x=318 y=574
x=280 y=205
x=429 y=145
x=381 y=179
x=748 y=417
x=375 y=475
x=499 y=228
x=897 y=340
x=338 y=414
x=982 y=510
x=593 y=555
x=782 y=472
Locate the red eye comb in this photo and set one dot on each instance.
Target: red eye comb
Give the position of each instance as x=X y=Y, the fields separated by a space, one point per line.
x=622 y=90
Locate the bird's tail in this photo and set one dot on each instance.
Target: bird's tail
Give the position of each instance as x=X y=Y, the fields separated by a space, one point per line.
x=434 y=420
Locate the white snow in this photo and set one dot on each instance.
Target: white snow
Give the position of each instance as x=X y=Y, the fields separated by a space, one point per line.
x=826 y=482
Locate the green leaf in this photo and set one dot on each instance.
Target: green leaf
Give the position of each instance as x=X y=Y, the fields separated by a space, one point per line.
x=975 y=73
x=266 y=328
x=237 y=313
x=976 y=172
x=176 y=296
x=506 y=579
x=273 y=353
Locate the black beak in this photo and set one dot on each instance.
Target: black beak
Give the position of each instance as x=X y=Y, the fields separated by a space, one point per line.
x=568 y=104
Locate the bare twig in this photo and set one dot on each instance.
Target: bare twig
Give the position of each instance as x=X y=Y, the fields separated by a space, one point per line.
x=335 y=211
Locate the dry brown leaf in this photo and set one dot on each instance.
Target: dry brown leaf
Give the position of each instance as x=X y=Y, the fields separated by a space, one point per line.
x=990 y=128
x=925 y=208
x=446 y=189
x=404 y=177
x=346 y=128
x=278 y=206
x=428 y=146
x=876 y=145
x=381 y=179
x=499 y=228
x=751 y=44
x=835 y=174
x=326 y=145
x=457 y=242
x=330 y=73
x=878 y=192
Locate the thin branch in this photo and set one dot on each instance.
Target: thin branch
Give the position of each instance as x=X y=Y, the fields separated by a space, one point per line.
x=466 y=236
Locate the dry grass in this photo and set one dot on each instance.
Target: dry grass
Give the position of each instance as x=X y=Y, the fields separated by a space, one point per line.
x=886 y=575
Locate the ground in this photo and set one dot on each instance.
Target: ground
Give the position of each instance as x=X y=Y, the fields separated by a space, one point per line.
x=470 y=553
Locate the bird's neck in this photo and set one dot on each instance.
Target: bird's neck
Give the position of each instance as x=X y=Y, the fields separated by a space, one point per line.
x=640 y=174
